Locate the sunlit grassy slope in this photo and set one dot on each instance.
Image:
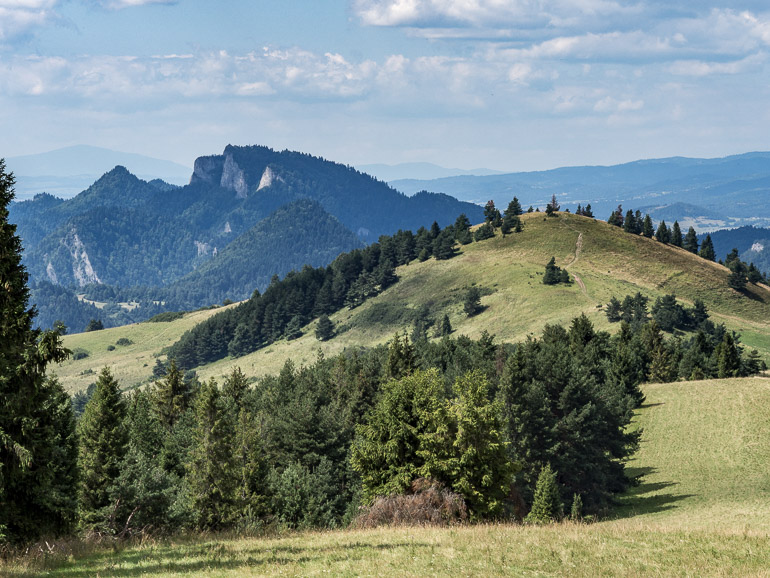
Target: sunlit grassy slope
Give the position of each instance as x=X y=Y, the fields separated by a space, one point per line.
x=606 y=261
x=702 y=509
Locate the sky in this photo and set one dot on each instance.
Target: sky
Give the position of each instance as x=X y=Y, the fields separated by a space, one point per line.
x=511 y=85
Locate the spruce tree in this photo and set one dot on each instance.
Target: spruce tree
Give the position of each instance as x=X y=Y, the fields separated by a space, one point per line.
x=514 y=208
x=103 y=444
x=690 y=242
x=663 y=234
x=472 y=301
x=707 y=249
x=171 y=395
x=446 y=326
x=547 y=505
x=629 y=225
x=676 y=235
x=587 y=212
x=211 y=472
x=324 y=331
x=36 y=438
x=647 y=227
x=737 y=277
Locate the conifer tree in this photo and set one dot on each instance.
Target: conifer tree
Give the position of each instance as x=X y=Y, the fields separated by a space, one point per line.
x=514 y=208
x=171 y=395
x=324 y=331
x=676 y=234
x=707 y=249
x=103 y=445
x=401 y=357
x=472 y=301
x=211 y=472
x=737 y=277
x=547 y=505
x=629 y=224
x=663 y=234
x=587 y=212
x=647 y=227
x=728 y=357
x=690 y=242
x=446 y=326
x=35 y=431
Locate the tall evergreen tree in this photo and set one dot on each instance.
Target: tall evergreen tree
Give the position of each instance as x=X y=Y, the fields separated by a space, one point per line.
x=514 y=208
x=103 y=444
x=647 y=227
x=472 y=301
x=547 y=505
x=36 y=438
x=171 y=395
x=211 y=472
x=676 y=234
x=324 y=331
x=663 y=234
x=629 y=224
x=690 y=242
x=707 y=249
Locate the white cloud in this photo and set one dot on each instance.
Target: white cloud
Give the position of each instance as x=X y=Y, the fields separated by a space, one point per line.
x=20 y=17
x=120 y=4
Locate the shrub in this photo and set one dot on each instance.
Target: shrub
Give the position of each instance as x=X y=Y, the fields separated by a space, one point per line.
x=124 y=341
x=110 y=347
x=426 y=503
x=79 y=353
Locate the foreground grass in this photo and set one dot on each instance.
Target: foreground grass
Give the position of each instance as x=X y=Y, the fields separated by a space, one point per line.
x=702 y=509
x=563 y=550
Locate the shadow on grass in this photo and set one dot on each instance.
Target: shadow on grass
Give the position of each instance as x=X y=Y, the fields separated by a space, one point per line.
x=637 y=500
x=198 y=559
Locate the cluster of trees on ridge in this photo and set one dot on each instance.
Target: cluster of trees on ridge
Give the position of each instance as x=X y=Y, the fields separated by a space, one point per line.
x=740 y=273
x=289 y=304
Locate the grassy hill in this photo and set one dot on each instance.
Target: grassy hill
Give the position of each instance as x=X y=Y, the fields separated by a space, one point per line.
x=604 y=261
x=703 y=508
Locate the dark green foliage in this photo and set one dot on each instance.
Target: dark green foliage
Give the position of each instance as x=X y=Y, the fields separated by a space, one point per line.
x=690 y=242
x=676 y=235
x=738 y=275
x=444 y=245
x=171 y=395
x=547 y=505
x=304 y=498
x=324 y=330
x=663 y=234
x=514 y=208
x=94 y=325
x=613 y=310
x=166 y=317
x=491 y=214
x=728 y=357
x=37 y=441
x=485 y=231
x=472 y=301
x=211 y=471
x=647 y=230
x=103 y=444
x=616 y=218
x=555 y=274
x=124 y=341
x=707 y=249
x=415 y=431
x=630 y=224
x=552 y=207
x=446 y=326
x=401 y=359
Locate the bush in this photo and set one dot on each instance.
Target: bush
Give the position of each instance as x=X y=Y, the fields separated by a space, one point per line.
x=110 y=347
x=124 y=341
x=79 y=353
x=166 y=317
x=428 y=503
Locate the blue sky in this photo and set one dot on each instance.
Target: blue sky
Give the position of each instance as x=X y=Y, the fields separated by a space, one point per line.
x=504 y=84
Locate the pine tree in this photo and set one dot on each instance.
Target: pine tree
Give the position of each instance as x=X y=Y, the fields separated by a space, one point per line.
x=728 y=357
x=211 y=472
x=553 y=274
x=690 y=242
x=707 y=249
x=612 y=310
x=490 y=213
x=514 y=208
x=103 y=444
x=479 y=468
x=647 y=227
x=446 y=326
x=663 y=234
x=552 y=207
x=676 y=235
x=547 y=505
x=629 y=225
x=472 y=301
x=737 y=277
x=171 y=395
x=324 y=331
x=587 y=212
x=401 y=357
x=35 y=432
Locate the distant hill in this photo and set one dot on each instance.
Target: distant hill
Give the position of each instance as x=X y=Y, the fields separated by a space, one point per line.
x=753 y=244
x=508 y=271
x=67 y=171
x=708 y=193
x=419 y=171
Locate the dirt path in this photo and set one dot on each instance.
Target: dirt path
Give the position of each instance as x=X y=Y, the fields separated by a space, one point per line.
x=578 y=250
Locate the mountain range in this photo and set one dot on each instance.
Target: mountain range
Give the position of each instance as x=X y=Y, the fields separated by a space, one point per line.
x=245 y=215
x=709 y=194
